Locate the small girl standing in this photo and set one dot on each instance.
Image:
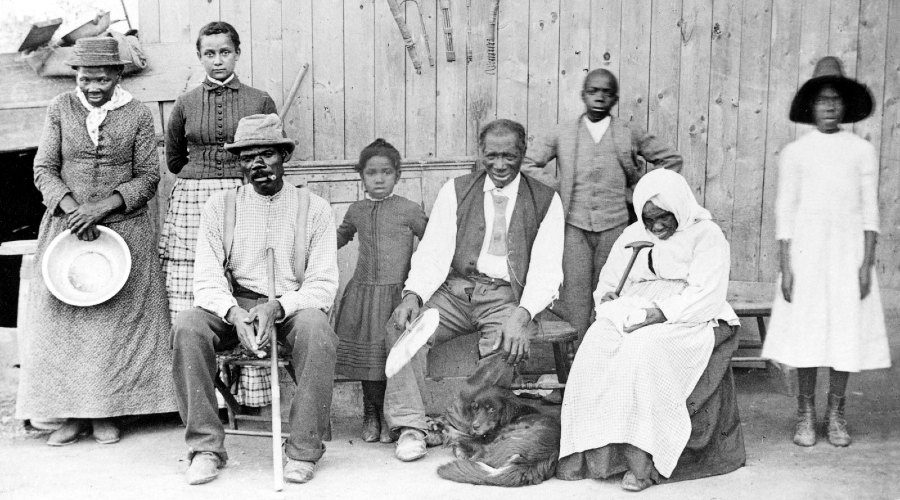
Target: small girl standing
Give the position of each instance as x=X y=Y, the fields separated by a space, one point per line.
x=386 y=224
x=828 y=311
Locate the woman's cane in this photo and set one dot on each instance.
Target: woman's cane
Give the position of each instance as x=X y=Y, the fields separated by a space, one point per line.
x=278 y=473
x=636 y=247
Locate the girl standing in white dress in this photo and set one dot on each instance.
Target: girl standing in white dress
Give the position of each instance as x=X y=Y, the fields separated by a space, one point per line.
x=828 y=311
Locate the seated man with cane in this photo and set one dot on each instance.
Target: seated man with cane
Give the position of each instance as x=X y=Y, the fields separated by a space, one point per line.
x=230 y=285
x=490 y=261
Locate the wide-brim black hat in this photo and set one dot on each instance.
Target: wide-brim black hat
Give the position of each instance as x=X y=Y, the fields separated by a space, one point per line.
x=858 y=101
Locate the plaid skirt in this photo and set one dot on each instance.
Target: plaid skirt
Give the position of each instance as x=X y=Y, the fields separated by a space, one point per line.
x=176 y=251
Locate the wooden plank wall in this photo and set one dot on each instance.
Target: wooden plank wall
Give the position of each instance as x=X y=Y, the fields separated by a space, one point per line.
x=713 y=77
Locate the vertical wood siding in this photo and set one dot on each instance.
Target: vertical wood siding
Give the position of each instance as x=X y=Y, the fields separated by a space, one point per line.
x=713 y=77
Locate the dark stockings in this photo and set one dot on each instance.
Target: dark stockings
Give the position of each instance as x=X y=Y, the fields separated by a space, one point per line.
x=373 y=390
x=807 y=381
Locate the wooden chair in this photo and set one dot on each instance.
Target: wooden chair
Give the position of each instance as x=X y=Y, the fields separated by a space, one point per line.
x=229 y=362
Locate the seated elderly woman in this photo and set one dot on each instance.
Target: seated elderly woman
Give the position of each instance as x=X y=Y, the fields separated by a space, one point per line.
x=651 y=392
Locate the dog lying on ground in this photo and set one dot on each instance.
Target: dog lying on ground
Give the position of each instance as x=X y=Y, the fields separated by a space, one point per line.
x=499 y=441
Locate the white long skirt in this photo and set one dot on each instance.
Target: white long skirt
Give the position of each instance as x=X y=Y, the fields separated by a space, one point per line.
x=826 y=323
x=633 y=388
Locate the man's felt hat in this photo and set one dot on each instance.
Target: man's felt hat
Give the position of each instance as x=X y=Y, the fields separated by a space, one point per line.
x=260 y=130
x=96 y=51
x=857 y=98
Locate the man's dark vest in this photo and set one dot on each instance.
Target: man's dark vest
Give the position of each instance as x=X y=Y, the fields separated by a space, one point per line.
x=532 y=202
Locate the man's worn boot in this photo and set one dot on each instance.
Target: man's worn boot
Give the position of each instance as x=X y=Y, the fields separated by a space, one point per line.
x=835 y=423
x=805 y=430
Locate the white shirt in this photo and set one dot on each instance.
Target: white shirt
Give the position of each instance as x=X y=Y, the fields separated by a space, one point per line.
x=432 y=260
x=262 y=222
x=597 y=129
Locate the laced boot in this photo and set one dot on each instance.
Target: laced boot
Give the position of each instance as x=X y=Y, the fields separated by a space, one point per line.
x=835 y=423
x=371 y=416
x=805 y=430
x=375 y=390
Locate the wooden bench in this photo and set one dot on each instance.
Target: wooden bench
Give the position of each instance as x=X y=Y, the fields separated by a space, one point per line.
x=10 y=338
x=751 y=299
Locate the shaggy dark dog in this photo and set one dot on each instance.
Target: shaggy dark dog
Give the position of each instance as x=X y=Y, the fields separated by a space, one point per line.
x=499 y=441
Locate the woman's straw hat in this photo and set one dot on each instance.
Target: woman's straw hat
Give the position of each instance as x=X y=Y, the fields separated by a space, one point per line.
x=86 y=273
x=96 y=51
x=260 y=130
x=857 y=99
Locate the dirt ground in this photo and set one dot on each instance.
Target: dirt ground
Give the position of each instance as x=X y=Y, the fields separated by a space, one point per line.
x=149 y=461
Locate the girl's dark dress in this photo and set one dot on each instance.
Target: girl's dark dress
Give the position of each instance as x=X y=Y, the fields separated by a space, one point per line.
x=386 y=229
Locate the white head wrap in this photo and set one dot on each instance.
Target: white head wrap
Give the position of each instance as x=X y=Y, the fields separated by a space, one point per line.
x=669 y=191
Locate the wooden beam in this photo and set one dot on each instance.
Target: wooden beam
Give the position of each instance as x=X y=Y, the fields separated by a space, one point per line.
x=693 y=120
x=328 y=80
x=724 y=100
x=574 y=56
x=421 y=87
x=481 y=86
x=512 y=63
x=543 y=64
x=785 y=50
x=634 y=74
x=450 y=102
x=359 y=82
x=665 y=67
x=606 y=36
x=296 y=33
x=751 y=155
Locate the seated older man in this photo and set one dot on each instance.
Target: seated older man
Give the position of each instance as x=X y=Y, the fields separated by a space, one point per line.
x=231 y=307
x=490 y=261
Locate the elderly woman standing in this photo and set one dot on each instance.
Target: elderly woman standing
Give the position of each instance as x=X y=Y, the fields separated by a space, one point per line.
x=828 y=312
x=657 y=357
x=97 y=164
x=203 y=120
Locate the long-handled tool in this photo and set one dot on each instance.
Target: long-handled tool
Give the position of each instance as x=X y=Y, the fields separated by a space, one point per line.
x=448 y=30
x=492 y=38
x=292 y=94
x=424 y=31
x=408 y=40
x=277 y=471
x=636 y=247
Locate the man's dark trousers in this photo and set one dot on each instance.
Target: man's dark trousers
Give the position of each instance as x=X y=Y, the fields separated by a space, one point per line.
x=198 y=334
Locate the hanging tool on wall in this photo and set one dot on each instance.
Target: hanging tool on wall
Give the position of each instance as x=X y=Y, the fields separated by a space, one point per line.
x=492 y=38
x=468 y=31
x=407 y=36
x=448 y=30
x=292 y=94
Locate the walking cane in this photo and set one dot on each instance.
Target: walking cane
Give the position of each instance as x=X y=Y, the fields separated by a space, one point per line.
x=636 y=246
x=277 y=471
